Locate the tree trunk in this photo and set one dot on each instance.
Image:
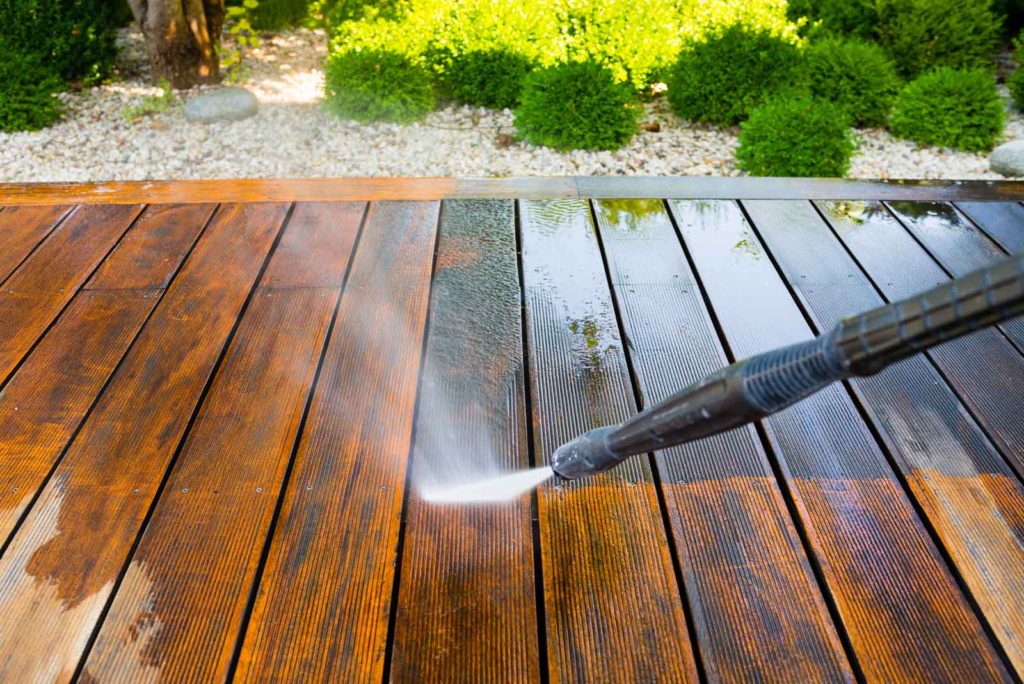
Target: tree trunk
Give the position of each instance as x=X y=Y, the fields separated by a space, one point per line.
x=182 y=37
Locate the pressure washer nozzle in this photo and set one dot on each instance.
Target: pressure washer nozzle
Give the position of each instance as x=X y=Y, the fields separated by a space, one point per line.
x=587 y=454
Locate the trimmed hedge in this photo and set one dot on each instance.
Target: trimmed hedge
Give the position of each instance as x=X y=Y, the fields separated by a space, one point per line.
x=27 y=92
x=799 y=136
x=957 y=108
x=854 y=74
x=377 y=85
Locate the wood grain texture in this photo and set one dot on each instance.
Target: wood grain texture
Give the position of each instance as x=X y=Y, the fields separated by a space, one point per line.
x=984 y=367
x=956 y=244
x=959 y=479
x=35 y=294
x=466 y=607
x=1001 y=221
x=324 y=598
x=178 y=612
x=758 y=609
x=612 y=601
x=901 y=608
x=22 y=229
x=65 y=559
x=47 y=398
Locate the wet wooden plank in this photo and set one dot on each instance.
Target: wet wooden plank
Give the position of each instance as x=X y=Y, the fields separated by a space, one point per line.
x=961 y=483
x=1002 y=221
x=35 y=294
x=64 y=561
x=21 y=231
x=178 y=612
x=48 y=397
x=324 y=598
x=956 y=244
x=466 y=606
x=984 y=368
x=612 y=602
x=758 y=609
x=900 y=606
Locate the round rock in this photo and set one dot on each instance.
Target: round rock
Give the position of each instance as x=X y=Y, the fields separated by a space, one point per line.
x=223 y=104
x=1008 y=159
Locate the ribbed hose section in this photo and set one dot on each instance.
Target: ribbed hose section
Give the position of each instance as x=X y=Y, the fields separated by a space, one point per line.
x=776 y=379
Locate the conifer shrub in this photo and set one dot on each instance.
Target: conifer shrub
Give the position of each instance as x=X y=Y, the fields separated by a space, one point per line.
x=27 y=92
x=485 y=78
x=796 y=136
x=378 y=85
x=855 y=74
x=958 y=108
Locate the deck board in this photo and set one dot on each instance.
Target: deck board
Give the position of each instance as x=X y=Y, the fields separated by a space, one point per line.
x=1001 y=221
x=22 y=229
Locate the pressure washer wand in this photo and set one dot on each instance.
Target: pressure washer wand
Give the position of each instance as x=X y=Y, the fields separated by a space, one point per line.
x=764 y=384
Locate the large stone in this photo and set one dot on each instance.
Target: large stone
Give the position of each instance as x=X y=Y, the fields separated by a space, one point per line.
x=223 y=104
x=1008 y=159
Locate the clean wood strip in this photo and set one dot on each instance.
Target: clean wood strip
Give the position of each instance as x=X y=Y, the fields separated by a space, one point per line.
x=1002 y=221
x=38 y=291
x=466 y=607
x=612 y=601
x=22 y=229
x=956 y=244
x=984 y=368
x=179 y=609
x=65 y=559
x=902 y=609
x=324 y=599
x=759 y=612
x=960 y=481
x=45 y=401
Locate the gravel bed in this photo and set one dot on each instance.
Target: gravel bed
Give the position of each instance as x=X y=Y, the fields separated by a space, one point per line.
x=292 y=136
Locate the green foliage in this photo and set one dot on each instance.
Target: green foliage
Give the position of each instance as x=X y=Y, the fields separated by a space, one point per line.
x=152 y=104
x=378 y=85
x=243 y=39
x=486 y=78
x=274 y=15
x=854 y=74
x=27 y=92
x=1016 y=80
x=957 y=108
x=853 y=18
x=74 y=37
x=721 y=79
x=922 y=34
x=577 y=105
x=798 y=136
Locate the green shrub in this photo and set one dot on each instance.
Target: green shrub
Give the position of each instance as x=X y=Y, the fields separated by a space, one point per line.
x=1015 y=82
x=74 y=37
x=722 y=79
x=576 y=106
x=798 y=136
x=274 y=15
x=853 y=18
x=922 y=34
x=854 y=74
x=486 y=78
x=377 y=85
x=957 y=108
x=27 y=88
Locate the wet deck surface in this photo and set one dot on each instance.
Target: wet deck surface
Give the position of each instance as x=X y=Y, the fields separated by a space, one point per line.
x=215 y=420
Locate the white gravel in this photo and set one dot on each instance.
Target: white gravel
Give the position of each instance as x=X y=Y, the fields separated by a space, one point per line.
x=292 y=136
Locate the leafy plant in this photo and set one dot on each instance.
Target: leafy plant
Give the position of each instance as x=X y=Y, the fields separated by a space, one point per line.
x=854 y=74
x=274 y=15
x=922 y=34
x=152 y=104
x=244 y=38
x=378 y=85
x=799 y=136
x=27 y=92
x=852 y=18
x=957 y=108
x=722 y=79
x=578 y=105
x=486 y=78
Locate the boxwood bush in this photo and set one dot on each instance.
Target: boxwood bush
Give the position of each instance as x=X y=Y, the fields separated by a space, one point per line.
x=721 y=79
x=957 y=108
x=796 y=136
x=578 y=105
x=377 y=85
x=854 y=74
x=486 y=78
x=27 y=88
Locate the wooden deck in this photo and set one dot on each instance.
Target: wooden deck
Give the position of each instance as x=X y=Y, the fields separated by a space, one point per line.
x=216 y=397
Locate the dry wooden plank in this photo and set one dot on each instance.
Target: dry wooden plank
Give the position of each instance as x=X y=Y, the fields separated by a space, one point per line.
x=984 y=368
x=960 y=481
x=758 y=609
x=1002 y=221
x=956 y=244
x=902 y=609
x=612 y=602
x=466 y=607
x=21 y=231
x=64 y=561
x=35 y=294
x=324 y=597
x=47 y=398
x=179 y=609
